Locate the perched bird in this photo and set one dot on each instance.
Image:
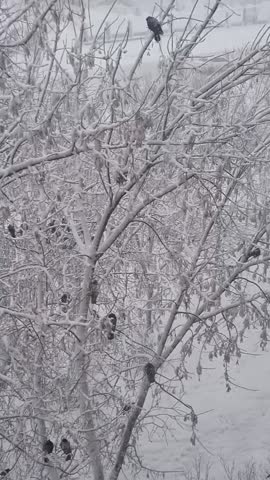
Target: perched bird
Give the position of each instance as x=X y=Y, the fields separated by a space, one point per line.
x=155 y=27
x=12 y=230
x=65 y=445
x=47 y=448
x=5 y=472
x=94 y=291
x=150 y=372
x=113 y=320
x=65 y=298
x=254 y=253
x=108 y=324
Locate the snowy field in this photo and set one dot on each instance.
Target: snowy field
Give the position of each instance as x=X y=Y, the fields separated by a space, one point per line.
x=237 y=427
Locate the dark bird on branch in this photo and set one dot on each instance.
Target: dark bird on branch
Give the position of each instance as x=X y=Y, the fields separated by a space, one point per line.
x=254 y=253
x=65 y=445
x=150 y=372
x=94 y=291
x=65 y=298
x=155 y=27
x=108 y=324
x=5 y=472
x=113 y=321
x=12 y=230
x=48 y=446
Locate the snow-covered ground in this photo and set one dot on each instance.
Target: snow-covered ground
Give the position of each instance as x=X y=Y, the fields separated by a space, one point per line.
x=237 y=427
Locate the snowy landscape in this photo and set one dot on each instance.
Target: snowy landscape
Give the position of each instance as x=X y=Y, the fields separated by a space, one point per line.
x=234 y=430
x=135 y=240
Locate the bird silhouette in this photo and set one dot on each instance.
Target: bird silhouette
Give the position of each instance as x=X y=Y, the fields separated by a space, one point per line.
x=65 y=445
x=4 y=472
x=112 y=318
x=12 y=230
x=150 y=372
x=256 y=252
x=108 y=325
x=155 y=27
x=48 y=446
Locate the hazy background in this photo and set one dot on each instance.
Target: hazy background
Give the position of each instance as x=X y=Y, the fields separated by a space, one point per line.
x=257 y=10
